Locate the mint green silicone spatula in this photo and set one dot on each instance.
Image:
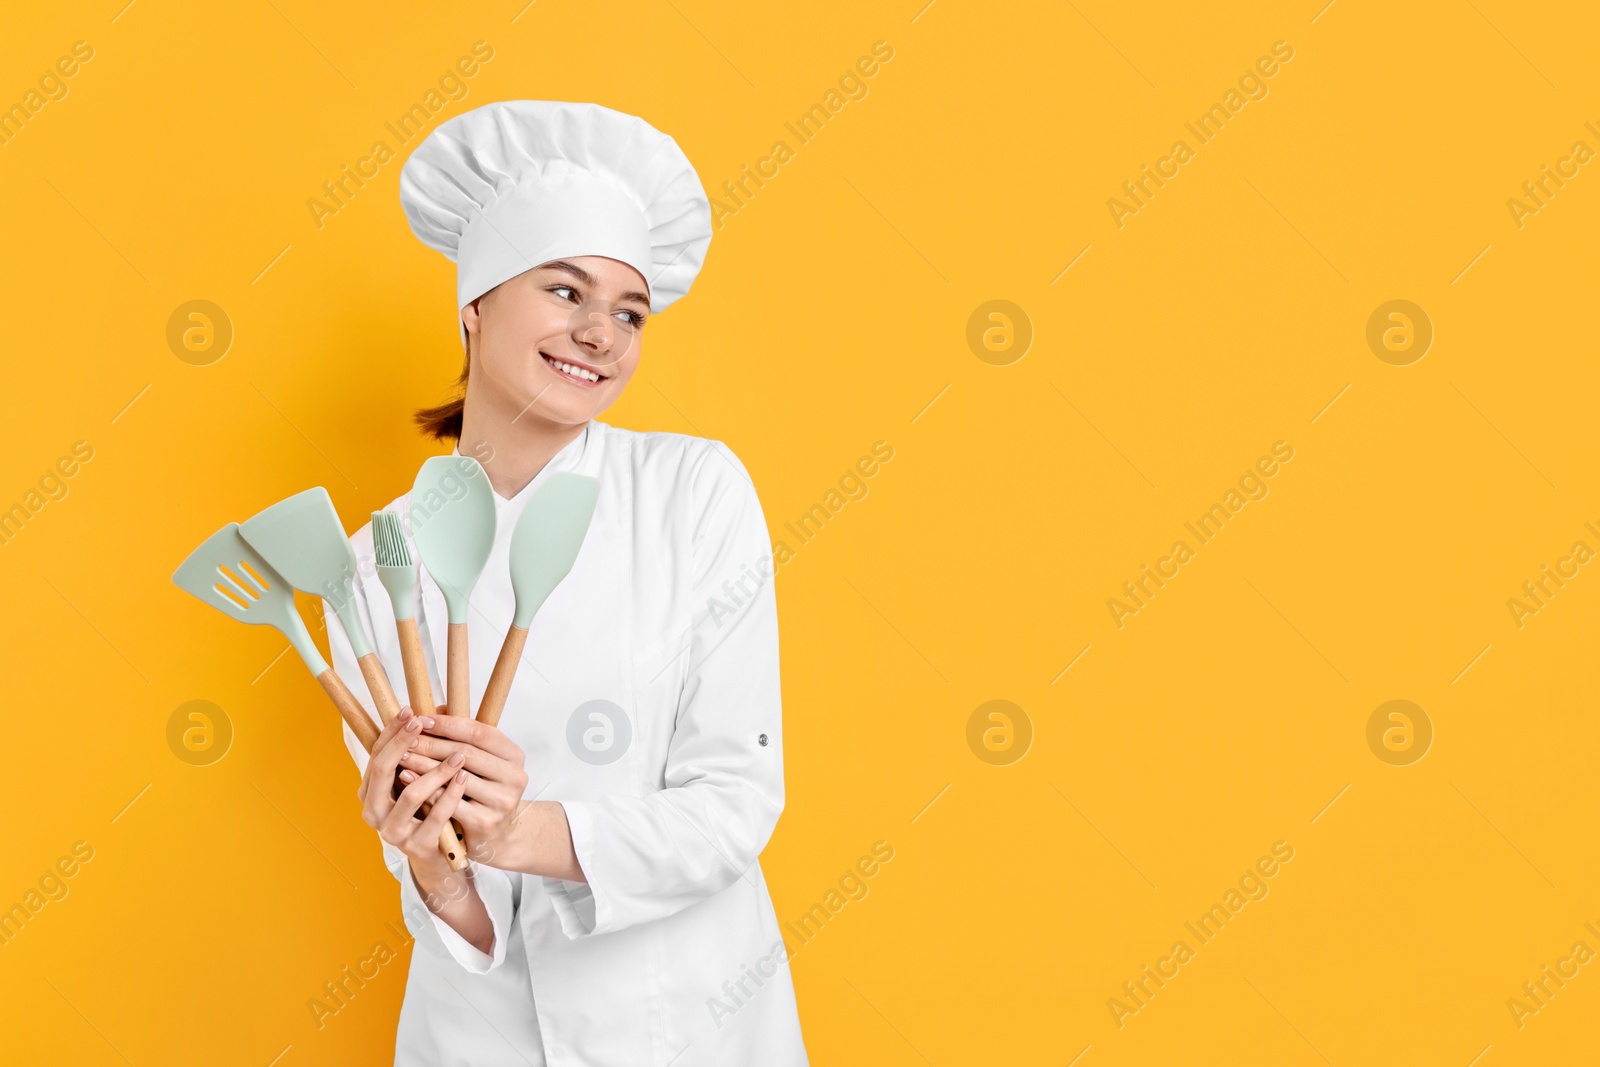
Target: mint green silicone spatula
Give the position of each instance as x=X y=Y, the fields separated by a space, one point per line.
x=452 y=522
x=304 y=541
x=228 y=574
x=544 y=546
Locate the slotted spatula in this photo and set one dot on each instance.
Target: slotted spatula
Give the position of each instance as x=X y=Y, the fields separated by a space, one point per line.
x=303 y=539
x=452 y=522
x=544 y=546
x=226 y=573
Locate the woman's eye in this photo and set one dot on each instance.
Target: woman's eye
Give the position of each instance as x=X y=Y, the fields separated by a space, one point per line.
x=565 y=292
x=632 y=318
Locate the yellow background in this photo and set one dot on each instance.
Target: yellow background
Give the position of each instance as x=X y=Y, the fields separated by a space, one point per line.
x=1225 y=316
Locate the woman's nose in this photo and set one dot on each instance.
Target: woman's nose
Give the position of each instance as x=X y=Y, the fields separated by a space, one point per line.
x=592 y=332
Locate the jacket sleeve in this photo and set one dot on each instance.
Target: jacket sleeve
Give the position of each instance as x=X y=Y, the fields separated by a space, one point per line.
x=649 y=857
x=494 y=885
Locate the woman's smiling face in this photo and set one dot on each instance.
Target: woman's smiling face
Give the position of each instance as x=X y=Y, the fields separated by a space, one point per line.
x=586 y=312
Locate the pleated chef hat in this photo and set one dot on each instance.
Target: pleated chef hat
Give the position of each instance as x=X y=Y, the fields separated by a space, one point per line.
x=510 y=185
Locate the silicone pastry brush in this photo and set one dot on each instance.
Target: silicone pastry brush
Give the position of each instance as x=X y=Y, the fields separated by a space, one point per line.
x=226 y=573
x=303 y=539
x=453 y=521
x=398 y=573
x=544 y=546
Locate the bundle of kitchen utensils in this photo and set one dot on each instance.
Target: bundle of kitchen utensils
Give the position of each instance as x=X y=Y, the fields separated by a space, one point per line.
x=250 y=570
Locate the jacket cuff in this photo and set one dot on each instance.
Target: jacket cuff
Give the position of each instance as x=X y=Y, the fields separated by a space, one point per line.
x=582 y=907
x=494 y=888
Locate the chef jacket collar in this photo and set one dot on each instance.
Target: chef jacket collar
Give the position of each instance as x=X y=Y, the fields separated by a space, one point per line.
x=569 y=458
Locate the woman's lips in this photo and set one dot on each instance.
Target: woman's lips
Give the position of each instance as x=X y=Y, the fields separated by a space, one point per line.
x=567 y=377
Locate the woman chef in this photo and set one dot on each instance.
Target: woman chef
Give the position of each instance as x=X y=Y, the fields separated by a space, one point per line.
x=615 y=913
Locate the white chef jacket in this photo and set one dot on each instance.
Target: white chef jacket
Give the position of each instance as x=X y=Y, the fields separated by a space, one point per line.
x=670 y=954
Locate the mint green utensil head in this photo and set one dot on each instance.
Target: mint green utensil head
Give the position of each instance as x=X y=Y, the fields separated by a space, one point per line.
x=228 y=574
x=304 y=541
x=396 y=569
x=545 y=543
x=452 y=521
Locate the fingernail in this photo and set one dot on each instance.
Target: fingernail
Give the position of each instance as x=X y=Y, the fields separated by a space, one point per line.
x=414 y=725
x=427 y=722
x=458 y=759
x=407 y=777
x=405 y=713
x=461 y=777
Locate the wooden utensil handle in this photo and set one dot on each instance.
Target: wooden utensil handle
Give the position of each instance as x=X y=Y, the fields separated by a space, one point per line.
x=454 y=849
x=378 y=685
x=352 y=711
x=418 y=689
x=505 y=669
x=458 y=690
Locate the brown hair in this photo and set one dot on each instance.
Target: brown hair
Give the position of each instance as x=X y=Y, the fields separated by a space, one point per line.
x=443 y=421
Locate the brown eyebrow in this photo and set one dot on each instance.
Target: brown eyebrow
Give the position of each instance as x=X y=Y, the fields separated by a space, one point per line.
x=591 y=281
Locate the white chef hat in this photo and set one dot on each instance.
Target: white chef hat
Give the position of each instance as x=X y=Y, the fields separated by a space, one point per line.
x=510 y=185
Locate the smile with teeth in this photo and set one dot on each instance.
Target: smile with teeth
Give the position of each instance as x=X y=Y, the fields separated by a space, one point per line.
x=571 y=371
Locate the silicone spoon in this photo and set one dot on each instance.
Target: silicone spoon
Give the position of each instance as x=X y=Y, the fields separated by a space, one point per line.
x=544 y=546
x=398 y=573
x=452 y=521
x=228 y=574
x=303 y=539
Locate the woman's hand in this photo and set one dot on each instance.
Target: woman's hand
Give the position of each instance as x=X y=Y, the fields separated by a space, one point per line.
x=393 y=812
x=495 y=778
x=395 y=817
